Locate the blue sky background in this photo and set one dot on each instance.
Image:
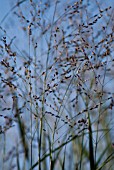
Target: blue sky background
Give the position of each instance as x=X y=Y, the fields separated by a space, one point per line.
x=6 y=5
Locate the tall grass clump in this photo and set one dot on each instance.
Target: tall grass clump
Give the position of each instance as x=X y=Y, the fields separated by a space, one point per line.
x=56 y=85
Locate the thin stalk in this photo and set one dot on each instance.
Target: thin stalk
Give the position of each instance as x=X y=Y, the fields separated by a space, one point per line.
x=30 y=92
x=82 y=145
x=91 y=151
